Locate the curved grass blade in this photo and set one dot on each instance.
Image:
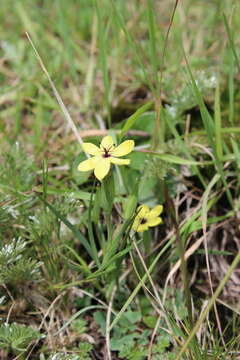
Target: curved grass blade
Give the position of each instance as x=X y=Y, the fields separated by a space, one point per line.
x=132 y=119
x=174 y=159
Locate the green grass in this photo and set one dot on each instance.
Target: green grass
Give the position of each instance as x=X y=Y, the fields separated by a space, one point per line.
x=76 y=281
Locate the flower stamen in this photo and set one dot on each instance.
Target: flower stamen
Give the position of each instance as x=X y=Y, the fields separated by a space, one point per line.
x=106 y=153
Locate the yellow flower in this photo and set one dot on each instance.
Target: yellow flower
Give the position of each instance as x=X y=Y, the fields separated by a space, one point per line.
x=104 y=156
x=146 y=217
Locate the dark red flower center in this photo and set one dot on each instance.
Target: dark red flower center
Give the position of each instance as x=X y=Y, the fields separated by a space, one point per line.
x=106 y=153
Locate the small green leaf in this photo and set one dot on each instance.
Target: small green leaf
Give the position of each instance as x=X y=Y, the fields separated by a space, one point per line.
x=120 y=344
x=99 y=318
x=133 y=316
x=150 y=321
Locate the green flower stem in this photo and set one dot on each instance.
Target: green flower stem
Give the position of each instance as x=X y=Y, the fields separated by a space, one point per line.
x=90 y=229
x=147 y=247
x=108 y=193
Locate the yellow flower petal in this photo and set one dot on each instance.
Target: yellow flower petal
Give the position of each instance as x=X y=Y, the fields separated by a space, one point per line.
x=119 y=161
x=107 y=142
x=123 y=149
x=91 y=149
x=86 y=165
x=102 y=168
x=142 y=227
x=136 y=223
x=142 y=211
x=154 y=221
x=156 y=211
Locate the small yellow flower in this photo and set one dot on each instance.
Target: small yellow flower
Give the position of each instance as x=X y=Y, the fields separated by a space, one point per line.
x=146 y=217
x=104 y=156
